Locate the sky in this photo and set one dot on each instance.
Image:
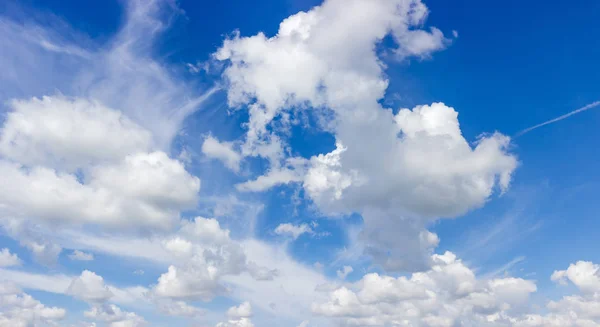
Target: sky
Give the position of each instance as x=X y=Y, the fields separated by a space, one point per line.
x=299 y=163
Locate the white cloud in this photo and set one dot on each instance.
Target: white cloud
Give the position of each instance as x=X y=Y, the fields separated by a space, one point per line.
x=69 y=133
x=583 y=274
x=273 y=177
x=401 y=171
x=448 y=294
x=20 y=309
x=223 y=151
x=81 y=256
x=8 y=259
x=89 y=287
x=206 y=255
x=238 y=316
x=293 y=230
x=143 y=190
x=114 y=316
x=344 y=272
x=244 y=310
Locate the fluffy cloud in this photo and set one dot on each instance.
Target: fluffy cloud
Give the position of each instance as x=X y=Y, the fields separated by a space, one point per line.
x=238 y=316
x=8 y=259
x=69 y=133
x=117 y=183
x=205 y=254
x=448 y=294
x=114 y=316
x=145 y=190
x=583 y=274
x=18 y=309
x=89 y=287
x=399 y=171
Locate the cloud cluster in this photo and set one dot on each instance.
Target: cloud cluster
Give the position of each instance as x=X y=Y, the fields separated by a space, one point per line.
x=116 y=184
x=91 y=288
x=18 y=309
x=8 y=259
x=448 y=294
x=400 y=171
x=204 y=253
x=238 y=316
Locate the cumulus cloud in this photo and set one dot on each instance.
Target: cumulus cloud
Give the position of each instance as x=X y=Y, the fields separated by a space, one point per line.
x=87 y=140
x=206 y=254
x=20 y=309
x=69 y=133
x=448 y=294
x=114 y=316
x=8 y=259
x=399 y=171
x=89 y=287
x=238 y=316
x=144 y=189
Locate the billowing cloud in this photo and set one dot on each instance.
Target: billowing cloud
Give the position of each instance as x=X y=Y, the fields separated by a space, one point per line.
x=206 y=254
x=449 y=294
x=89 y=287
x=20 y=309
x=400 y=171
x=238 y=316
x=8 y=259
x=143 y=189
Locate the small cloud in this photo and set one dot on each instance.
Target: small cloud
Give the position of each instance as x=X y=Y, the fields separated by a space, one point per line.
x=293 y=230
x=455 y=33
x=139 y=272
x=8 y=259
x=81 y=256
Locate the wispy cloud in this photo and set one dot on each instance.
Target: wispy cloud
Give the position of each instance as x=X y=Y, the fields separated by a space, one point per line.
x=559 y=118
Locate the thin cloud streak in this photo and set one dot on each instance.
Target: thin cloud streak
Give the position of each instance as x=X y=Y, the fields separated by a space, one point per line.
x=557 y=119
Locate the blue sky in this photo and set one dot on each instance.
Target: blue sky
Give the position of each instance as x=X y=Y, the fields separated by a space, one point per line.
x=299 y=163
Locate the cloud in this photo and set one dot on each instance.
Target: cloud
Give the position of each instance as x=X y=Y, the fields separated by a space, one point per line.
x=400 y=172
x=238 y=316
x=244 y=310
x=223 y=151
x=8 y=259
x=206 y=254
x=69 y=133
x=114 y=316
x=142 y=190
x=446 y=295
x=20 y=309
x=583 y=274
x=89 y=287
x=86 y=141
x=81 y=256
x=293 y=230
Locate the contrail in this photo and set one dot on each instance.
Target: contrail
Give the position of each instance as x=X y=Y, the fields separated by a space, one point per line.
x=567 y=115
